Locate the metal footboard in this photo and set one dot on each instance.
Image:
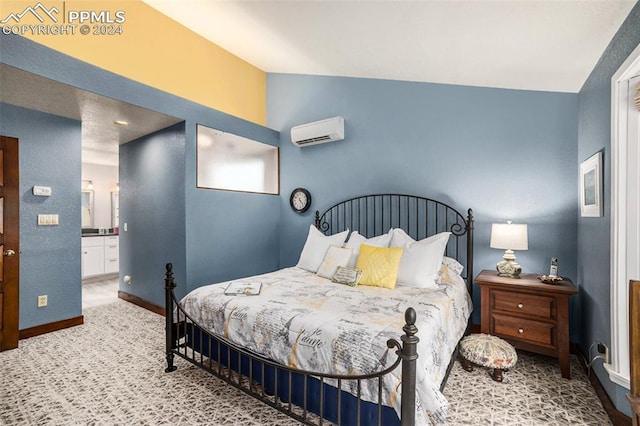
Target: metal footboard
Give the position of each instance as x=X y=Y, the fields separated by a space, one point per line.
x=273 y=383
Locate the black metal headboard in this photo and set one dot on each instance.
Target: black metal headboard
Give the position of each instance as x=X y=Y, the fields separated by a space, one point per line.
x=420 y=217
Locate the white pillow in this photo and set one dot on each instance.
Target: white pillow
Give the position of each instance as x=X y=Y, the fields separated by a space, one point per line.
x=335 y=257
x=355 y=240
x=399 y=238
x=316 y=246
x=421 y=260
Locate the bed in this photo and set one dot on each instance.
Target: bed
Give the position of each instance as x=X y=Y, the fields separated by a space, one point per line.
x=326 y=352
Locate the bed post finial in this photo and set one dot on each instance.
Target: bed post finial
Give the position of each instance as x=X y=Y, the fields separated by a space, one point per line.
x=169 y=285
x=168 y=276
x=470 y=276
x=409 y=355
x=317 y=222
x=410 y=319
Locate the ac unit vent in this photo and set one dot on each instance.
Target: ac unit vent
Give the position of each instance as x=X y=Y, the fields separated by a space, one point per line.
x=314 y=140
x=329 y=130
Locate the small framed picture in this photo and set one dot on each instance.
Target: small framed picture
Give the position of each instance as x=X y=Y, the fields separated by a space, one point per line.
x=591 y=186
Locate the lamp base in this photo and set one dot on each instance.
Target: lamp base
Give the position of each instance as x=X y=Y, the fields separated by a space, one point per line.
x=509 y=268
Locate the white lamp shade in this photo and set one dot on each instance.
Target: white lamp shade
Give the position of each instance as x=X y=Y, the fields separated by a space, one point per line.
x=509 y=236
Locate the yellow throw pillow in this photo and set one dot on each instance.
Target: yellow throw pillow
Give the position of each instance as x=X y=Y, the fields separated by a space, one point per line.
x=379 y=265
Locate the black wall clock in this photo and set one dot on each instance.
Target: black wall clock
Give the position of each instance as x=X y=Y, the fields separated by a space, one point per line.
x=300 y=200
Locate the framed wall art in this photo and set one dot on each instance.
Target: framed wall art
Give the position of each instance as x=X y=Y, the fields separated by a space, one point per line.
x=591 y=186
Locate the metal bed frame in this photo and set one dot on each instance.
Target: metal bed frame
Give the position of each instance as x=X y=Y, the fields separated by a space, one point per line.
x=420 y=217
x=278 y=385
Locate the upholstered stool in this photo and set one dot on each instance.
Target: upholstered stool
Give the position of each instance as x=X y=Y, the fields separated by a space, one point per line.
x=487 y=351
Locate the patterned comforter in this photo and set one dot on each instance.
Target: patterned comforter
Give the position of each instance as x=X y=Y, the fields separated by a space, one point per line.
x=311 y=323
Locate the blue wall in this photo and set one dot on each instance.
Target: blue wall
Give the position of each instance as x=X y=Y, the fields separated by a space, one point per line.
x=208 y=235
x=50 y=155
x=229 y=234
x=152 y=204
x=225 y=235
x=506 y=154
x=593 y=248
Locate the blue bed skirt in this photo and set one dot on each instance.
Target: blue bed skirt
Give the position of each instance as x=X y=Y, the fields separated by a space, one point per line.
x=289 y=387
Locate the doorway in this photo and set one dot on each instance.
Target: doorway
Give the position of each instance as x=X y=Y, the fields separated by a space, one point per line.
x=100 y=231
x=9 y=243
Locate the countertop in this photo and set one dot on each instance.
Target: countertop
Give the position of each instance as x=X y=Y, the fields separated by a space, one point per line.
x=93 y=234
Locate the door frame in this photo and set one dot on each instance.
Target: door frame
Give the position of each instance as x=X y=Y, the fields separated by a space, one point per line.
x=11 y=212
x=618 y=368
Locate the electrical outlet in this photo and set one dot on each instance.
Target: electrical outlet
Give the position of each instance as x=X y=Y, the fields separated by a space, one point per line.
x=603 y=349
x=42 y=301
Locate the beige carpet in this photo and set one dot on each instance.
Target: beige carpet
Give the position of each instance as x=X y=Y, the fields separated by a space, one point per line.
x=110 y=371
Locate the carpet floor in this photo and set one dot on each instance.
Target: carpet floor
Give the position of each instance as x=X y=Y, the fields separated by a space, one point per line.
x=110 y=371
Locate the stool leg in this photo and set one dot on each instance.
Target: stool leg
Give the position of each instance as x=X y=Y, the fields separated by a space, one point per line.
x=466 y=365
x=497 y=374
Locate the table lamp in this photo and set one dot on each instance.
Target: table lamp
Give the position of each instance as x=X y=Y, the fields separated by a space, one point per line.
x=509 y=237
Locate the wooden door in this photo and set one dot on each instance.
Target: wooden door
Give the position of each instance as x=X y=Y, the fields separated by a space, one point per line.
x=9 y=243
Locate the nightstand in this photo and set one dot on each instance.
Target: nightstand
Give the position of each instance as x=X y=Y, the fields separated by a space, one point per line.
x=528 y=313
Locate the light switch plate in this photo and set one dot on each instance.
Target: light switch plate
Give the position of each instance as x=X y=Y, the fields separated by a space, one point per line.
x=47 y=219
x=42 y=191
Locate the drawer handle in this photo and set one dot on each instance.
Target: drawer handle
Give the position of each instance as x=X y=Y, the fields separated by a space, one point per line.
x=520 y=306
x=521 y=330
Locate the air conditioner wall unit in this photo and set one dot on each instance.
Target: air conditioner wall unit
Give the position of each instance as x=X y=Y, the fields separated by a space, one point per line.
x=323 y=131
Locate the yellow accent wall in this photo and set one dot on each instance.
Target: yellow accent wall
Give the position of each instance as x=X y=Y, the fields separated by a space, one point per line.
x=152 y=49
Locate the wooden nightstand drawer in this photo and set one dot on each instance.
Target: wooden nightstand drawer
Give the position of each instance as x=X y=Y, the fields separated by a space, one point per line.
x=530 y=314
x=522 y=303
x=523 y=329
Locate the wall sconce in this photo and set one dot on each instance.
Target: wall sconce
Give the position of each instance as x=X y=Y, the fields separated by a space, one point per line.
x=87 y=184
x=509 y=237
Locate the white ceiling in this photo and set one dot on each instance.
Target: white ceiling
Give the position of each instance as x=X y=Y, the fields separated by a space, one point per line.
x=549 y=45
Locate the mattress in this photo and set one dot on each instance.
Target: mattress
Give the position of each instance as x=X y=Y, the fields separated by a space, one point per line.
x=308 y=322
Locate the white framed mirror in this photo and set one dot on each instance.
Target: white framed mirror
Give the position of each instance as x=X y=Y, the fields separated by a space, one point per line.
x=87 y=208
x=115 y=209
